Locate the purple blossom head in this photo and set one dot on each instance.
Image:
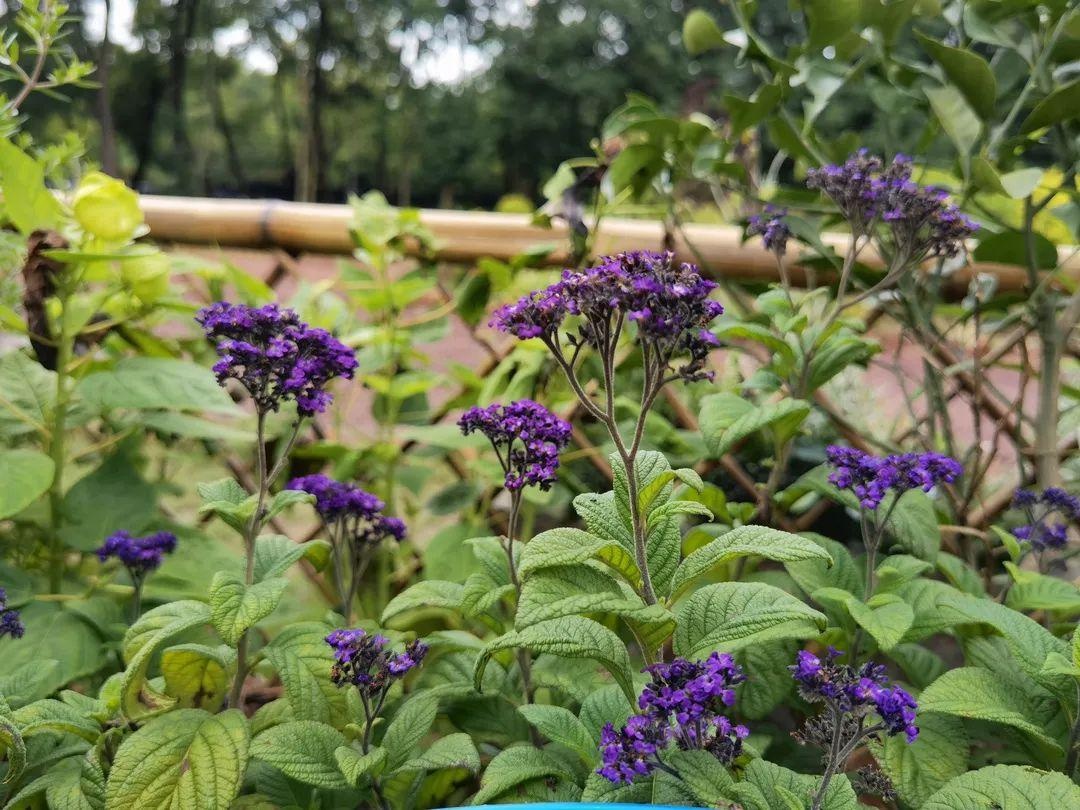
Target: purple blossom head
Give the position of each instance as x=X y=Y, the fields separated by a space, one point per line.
x=683 y=705
x=773 y=229
x=10 y=623
x=347 y=506
x=275 y=356
x=910 y=220
x=668 y=302
x=1048 y=514
x=139 y=555
x=527 y=438
x=870 y=477
x=362 y=660
x=853 y=692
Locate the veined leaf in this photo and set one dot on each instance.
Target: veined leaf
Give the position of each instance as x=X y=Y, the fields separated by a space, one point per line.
x=275 y=554
x=186 y=758
x=304 y=750
x=731 y=615
x=236 y=607
x=451 y=751
x=968 y=71
x=566 y=546
x=569 y=637
x=561 y=726
x=156 y=383
x=27 y=474
x=424 y=595
x=411 y=722
x=1015 y=787
x=727 y=419
x=886 y=617
x=196 y=675
x=303 y=660
x=513 y=766
x=570 y=590
x=920 y=768
x=354 y=766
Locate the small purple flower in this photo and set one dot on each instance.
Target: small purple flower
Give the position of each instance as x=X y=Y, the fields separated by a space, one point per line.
x=351 y=509
x=918 y=221
x=683 y=704
x=362 y=660
x=852 y=693
x=139 y=555
x=10 y=623
x=527 y=438
x=871 y=477
x=668 y=302
x=773 y=229
x=275 y=356
x=1048 y=514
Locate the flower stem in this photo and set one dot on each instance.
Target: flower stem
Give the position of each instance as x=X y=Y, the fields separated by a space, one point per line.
x=57 y=435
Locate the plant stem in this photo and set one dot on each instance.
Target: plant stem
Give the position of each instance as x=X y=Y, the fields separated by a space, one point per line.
x=523 y=656
x=833 y=762
x=57 y=435
x=1073 y=747
x=236 y=691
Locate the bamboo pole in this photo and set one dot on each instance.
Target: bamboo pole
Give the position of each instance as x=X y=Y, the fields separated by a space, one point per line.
x=468 y=235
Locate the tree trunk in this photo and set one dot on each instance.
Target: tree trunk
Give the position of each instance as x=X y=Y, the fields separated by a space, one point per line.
x=109 y=161
x=144 y=145
x=221 y=120
x=182 y=30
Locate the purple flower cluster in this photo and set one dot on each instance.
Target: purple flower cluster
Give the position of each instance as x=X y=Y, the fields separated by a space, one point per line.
x=773 y=229
x=683 y=705
x=855 y=692
x=871 y=477
x=10 y=624
x=345 y=504
x=668 y=301
x=1048 y=515
x=362 y=660
x=139 y=555
x=918 y=220
x=275 y=356
x=527 y=438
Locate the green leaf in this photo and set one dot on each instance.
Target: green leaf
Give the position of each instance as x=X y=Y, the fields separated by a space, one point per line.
x=569 y=590
x=655 y=489
x=747 y=541
x=968 y=71
x=812 y=574
x=569 y=637
x=886 y=617
x=275 y=554
x=777 y=784
x=956 y=118
x=187 y=758
x=1010 y=787
x=302 y=659
x=156 y=383
x=28 y=202
x=727 y=419
x=918 y=769
x=186 y=425
x=451 y=751
x=197 y=675
x=236 y=607
x=142 y=640
x=27 y=474
x=561 y=726
x=513 y=766
x=354 y=766
x=1063 y=104
x=112 y=497
x=566 y=546
x=52 y=715
x=286 y=499
x=424 y=595
x=700 y=33
x=830 y=20
x=13 y=749
x=28 y=393
x=54 y=633
x=914 y=526
x=410 y=724
x=1034 y=591
x=837 y=353
x=979 y=694
x=703 y=774
x=304 y=750
x=729 y=616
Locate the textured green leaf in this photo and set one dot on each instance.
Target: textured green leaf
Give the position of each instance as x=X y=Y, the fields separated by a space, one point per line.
x=566 y=546
x=12 y=748
x=914 y=526
x=303 y=660
x=812 y=574
x=28 y=202
x=956 y=117
x=603 y=519
x=156 y=383
x=513 y=766
x=918 y=769
x=561 y=726
x=1034 y=591
x=451 y=751
x=570 y=590
x=773 y=782
x=727 y=419
x=701 y=33
x=355 y=766
x=304 y=750
x=898 y=570
x=142 y=640
x=703 y=774
x=196 y=675
x=608 y=704
x=229 y=501
x=731 y=615
x=27 y=474
x=275 y=554
x=830 y=20
x=52 y=715
x=236 y=607
x=968 y=71
x=652 y=494
x=114 y=496
x=569 y=637
x=771 y=682
x=886 y=617
x=748 y=541
x=978 y=694
x=410 y=724
x=424 y=595
x=1010 y=787
x=187 y=758
x=286 y=499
